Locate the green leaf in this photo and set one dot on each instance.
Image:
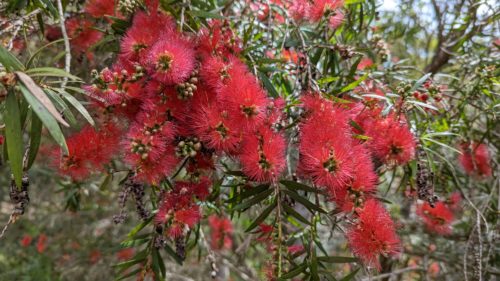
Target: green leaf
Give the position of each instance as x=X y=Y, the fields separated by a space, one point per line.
x=420 y=82
x=139 y=227
x=293 y=185
x=9 y=61
x=35 y=139
x=36 y=92
x=268 y=85
x=422 y=104
x=207 y=15
x=261 y=217
x=46 y=118
x=247 y=193
x=334 y=259
x=293 y=272
x=350 y=276
x=350 y=2
x=130 y=274
x=14 y=136
x=135 y=242
x=173 y=254
x=306 y=203
x=289 y=210
x=254 y=200
x=78 y=106
x=51 y=72
x=30 y=60
x=354 y=84
x=443 y=145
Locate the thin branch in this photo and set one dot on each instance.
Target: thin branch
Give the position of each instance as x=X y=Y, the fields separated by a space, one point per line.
x=67 y=48
x=394 y=273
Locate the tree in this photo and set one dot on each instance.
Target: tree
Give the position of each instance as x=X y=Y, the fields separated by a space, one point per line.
x=279 y=140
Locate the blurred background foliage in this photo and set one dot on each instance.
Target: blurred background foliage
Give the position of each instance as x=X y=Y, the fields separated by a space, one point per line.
x=67 y=232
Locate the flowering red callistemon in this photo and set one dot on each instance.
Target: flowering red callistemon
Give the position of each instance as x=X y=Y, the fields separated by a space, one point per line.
x=475 y=159
x=171 y=60
x=454 y=201
x=177 y=211
x=216 y=72
x=99 y=8
x=82 y=35
x=336 y=19
x=221 y=230
x=146 y=29
x=437 y=219
x=88 y=150
x=245 y=101
x=215 y=128
x=373 y=234
x=365 y=63
x=218 y=39
x=319 y=7
x=298 y=9
x=125 y=254
x=363 y=183
x=262 y=155
x=26 y=241
x=41 y=244
x=391 y=141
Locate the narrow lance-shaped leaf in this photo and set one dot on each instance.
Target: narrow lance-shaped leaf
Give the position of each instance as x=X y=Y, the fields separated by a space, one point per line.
x=40 y=96
x=46 y=118
x=13 y=134
x=35 y=139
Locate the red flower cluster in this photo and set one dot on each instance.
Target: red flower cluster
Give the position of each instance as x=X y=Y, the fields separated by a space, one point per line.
x=437 y=219
x=373 y=234
x=83 y=36
x=221 y=231
x=89 y=150
x=475 y=159
x=313 y=11
x=177 y=209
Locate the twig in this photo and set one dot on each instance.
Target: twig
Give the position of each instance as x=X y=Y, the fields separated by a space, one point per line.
x=211 y=255
x=67 y=48
x=11 y=220
x=395 y=272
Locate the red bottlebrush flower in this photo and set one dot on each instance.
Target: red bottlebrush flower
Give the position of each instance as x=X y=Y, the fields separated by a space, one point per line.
x=82 y=35
x=319 y=7
x=454 y=201
x=217 y=72
x=392 y=141
x=336 y=19
x=295 y=249
x=94 y=256
x=221 y=231
x=437 y=219
x=291 y=56
x=171 y=60
x=53 y=32
x=188 y=217
x=246 y=101
x=125 y=254
x=26 y=241
x=261 y=10
x=2 y=139
x=263 y=155
x=41 y=244
x=373 y=235
x=365 y=63
x=363 y=182
x=475 y=159
x=100 y=8
x=89 y=150
x=136 y=44
x=298 y=9
x=216 y=130
x=218 y=39
x=153 y=171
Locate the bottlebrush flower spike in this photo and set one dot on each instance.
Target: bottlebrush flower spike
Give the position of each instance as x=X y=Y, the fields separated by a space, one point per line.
x=392 y=141
x=216 y=72
x=373 y=235
x=437 y=219
x=263 y=155
x=82 y=35
x=319 y=7
x=298 y=9
x=221 y=230
x=245 y=100
x=88 y=150
x=171 y=60
x=214 y=127
x=475 y=159
x=336 y=19
x=99 y=8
